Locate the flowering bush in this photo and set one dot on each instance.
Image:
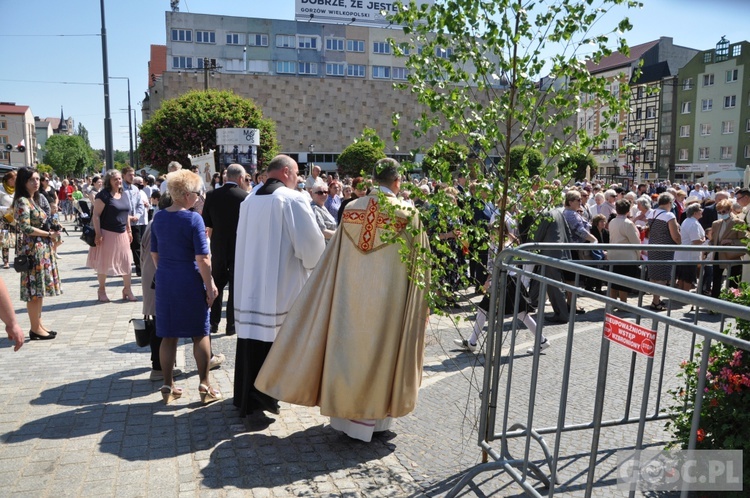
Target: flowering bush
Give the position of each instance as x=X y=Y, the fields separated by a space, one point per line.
x=725 y=413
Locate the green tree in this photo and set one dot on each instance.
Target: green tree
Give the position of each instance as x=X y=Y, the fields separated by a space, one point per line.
x=187 y=124
x=83 y=133
x=498 y=74
x=575 y=164
x=359 y=157
x=525 y=162
x=121 y=156
x=444 y=157
x=68 y=155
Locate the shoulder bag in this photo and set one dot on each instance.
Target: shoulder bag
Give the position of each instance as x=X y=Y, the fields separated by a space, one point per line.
x=22 y=262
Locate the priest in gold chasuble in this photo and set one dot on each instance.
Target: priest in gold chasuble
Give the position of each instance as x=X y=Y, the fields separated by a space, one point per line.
x=353 y=342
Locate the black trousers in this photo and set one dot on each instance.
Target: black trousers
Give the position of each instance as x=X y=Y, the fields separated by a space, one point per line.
x=135 y=246
x=223 y=274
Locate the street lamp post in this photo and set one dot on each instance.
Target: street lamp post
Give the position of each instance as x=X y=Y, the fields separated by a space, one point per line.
x=109 y=153
x=130 y=124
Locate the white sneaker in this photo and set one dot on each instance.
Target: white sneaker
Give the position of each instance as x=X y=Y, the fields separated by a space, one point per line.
x=464 y=344
x=216 y=361
x=544 y=345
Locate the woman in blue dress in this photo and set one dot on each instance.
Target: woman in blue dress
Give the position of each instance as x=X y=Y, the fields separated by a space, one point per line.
x=184 y=287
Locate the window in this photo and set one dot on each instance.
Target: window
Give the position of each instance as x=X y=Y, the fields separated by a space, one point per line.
x=286 y=41
x=3 y=140
x=235 y=38
x=381 y=72
x=737 y=50
x=705 y=129
x=639 y=113
x=649 y=133
x=356 y=70
x=704 y=152
x=258 y=66
x=205 y=37
x=381 y=48
x=685 y=130
x=443 y=53
x=649 y=155
x=683 y=155
x=747 y=151
x=640 y=92
x=184 y=35
x=686 y=107
x=212 y=63
x=730 y=101
x=732 y=75
x=707 y=57
x=335 y=69
x=727 y=127
x=3 y=125
x=687 y=84
x=708 y=79
x=286 y=67
x=400 y=73
x=308 y=68
x=355 y=45
x=747 y=125
x=707 y=105
x=182 y=62
x=257 y=40
x=726 y=152
x=650 y=112
x=307 y=42
x=229 y=64
x=336 y=44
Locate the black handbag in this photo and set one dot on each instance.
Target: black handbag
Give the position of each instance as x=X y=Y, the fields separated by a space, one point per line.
x=143 y=327
x=88 y=235
x=22 y=262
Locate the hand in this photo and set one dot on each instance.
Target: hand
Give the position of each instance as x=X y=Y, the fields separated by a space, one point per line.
x=130 y=237
x=98 y=240
x=15 y=334
x=211 y=293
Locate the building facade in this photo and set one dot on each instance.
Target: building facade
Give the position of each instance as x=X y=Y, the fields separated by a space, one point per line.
x=643 y=149
x=713 y=123
x=17 y=131
x=321 y=83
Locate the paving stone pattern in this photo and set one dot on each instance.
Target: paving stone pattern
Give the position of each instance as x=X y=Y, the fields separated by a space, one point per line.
x=80 y=416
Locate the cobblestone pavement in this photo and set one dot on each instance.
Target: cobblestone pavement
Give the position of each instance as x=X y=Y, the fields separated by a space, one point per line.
x=80 y=416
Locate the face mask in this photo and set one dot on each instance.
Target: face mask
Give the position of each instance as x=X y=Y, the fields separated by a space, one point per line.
x=724 y=216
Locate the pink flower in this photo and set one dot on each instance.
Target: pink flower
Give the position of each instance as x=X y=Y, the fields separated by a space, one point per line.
x=736 y=292
x=701 y=435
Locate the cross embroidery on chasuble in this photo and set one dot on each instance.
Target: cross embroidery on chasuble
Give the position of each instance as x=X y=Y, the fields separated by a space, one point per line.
x=371 y=220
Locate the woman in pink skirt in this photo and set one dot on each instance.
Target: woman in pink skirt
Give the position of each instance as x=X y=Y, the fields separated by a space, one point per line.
x=112 y=255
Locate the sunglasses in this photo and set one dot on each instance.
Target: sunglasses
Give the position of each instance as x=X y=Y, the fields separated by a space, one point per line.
x=321 y=192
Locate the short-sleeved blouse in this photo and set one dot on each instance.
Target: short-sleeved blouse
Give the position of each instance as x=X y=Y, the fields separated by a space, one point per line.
x=114 y=217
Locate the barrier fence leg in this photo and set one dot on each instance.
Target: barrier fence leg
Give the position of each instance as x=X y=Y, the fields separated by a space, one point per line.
x=601 y=385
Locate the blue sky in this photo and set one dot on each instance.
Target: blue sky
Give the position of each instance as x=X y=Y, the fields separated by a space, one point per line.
x=44 y=70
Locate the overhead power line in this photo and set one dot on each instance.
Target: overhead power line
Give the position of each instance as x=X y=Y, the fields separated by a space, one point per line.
x=53 y=82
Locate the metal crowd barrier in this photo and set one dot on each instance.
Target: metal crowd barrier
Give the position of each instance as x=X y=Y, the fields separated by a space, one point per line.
x=501 y=399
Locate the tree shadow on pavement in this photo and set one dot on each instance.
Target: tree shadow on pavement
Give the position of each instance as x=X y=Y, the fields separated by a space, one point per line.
x=263 y=461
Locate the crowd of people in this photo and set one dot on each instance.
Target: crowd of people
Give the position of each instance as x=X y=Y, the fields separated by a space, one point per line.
x=307 y=246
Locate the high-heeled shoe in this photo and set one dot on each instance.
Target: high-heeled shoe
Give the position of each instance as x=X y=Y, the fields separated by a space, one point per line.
x=102 y=296
x=39 y=337
x=128 y=296
x=209 y=394
x=169 y=394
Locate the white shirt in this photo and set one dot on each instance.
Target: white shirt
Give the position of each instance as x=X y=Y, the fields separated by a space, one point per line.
x=278 y=245
x=690 y=231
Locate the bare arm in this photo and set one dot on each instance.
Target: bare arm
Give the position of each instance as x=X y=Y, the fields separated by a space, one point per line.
x=674 y=231
x=96 y=219
x=204 y=267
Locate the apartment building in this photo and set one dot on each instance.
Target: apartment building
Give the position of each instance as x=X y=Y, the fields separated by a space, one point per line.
x=17 y=127
x=713 y=123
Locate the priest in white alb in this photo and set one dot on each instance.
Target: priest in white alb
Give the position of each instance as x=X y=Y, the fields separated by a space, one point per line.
x=278 y=245
x=353 y=343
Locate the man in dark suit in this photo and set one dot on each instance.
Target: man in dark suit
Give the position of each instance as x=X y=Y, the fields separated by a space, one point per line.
x=221 y=214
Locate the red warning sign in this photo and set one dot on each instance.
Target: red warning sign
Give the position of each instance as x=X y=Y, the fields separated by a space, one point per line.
x=632 y=336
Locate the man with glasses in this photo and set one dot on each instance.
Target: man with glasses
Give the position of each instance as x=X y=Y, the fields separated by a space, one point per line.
x=137 y=215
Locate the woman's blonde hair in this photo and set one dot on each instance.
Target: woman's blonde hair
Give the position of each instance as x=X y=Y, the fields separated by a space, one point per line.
x=182 y=182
